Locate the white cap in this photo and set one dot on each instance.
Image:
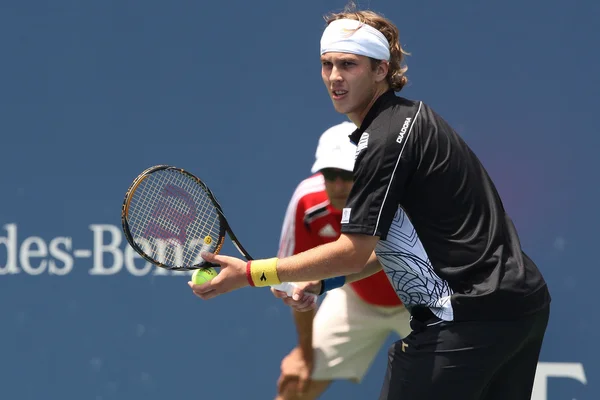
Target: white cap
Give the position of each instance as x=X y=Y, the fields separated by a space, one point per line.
x=335 y=150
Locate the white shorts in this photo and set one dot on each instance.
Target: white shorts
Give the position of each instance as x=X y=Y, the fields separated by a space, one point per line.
x=348 y=333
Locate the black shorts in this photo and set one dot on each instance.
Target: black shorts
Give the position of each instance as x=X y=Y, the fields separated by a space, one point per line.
x=473 y=360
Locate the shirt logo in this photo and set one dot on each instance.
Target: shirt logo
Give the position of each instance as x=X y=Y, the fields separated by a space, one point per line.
x=346 y=215
x=404 y=347
x=347 y=32
x=328 y=231
x=403 y=130
x=362 y=144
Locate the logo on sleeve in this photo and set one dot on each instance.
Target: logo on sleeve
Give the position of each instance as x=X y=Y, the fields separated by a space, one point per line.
x=346 y=215
x=403 y=130
x=362 y=144
x=328 y=231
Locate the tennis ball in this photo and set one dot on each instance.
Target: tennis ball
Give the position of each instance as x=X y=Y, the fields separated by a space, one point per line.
x=203 y=275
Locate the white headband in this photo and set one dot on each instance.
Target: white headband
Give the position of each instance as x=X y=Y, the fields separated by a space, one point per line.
x=354 y=37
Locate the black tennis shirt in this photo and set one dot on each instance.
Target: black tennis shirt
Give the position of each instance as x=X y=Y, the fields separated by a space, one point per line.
x=446 y=241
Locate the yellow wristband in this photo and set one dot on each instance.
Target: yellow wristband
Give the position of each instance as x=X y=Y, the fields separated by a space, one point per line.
x=264 y=272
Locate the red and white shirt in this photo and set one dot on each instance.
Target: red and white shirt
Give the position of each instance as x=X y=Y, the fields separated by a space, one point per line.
x=310 y=220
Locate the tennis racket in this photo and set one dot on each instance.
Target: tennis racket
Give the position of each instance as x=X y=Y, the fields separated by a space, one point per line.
x=169 y=217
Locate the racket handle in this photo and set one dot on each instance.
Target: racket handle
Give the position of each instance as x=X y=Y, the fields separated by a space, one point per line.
x=288 y=287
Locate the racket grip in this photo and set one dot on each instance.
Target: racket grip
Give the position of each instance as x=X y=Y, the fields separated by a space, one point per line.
x=288 y=287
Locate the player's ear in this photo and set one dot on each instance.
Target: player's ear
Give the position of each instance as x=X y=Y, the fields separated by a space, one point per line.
x=381 y=70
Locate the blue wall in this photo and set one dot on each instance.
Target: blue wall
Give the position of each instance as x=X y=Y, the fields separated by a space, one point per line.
x=93 y=92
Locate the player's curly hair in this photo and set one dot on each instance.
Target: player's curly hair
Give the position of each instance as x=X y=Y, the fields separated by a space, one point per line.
x=396 y=77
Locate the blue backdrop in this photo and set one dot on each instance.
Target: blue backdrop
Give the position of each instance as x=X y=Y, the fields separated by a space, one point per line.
x=93 y=92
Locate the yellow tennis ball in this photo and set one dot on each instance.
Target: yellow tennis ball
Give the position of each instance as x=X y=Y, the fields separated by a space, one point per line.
x=203 y=275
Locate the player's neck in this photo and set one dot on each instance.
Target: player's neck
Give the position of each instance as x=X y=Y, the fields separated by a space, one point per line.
x=358 y=117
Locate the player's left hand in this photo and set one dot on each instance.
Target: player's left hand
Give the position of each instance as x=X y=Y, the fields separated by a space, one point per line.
x=296 y=370
x=300 y=300
x=232 y=276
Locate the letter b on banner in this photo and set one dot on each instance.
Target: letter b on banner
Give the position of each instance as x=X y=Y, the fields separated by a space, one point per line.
x=547 y=370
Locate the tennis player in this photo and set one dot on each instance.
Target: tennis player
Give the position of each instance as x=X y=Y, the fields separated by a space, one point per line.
x=353 y=321
x=479 y=313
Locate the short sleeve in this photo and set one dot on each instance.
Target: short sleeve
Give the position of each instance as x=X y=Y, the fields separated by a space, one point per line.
x=385 y=162
x=295 y=237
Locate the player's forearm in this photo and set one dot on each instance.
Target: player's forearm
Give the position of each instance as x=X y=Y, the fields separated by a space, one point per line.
x=304 y=328
x=372 y=267
x=347 y=255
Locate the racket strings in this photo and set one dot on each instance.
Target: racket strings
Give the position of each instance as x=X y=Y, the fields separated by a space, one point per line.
x=173 y=212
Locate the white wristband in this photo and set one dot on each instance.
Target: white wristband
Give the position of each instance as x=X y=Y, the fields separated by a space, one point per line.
x=288 y=288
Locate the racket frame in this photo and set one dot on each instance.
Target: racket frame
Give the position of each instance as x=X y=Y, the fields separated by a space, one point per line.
x=225 y=228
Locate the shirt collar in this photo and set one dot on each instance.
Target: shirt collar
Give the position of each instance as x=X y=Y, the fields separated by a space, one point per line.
x=373 y=112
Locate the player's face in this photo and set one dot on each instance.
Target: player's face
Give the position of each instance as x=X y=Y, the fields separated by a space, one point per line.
x=337 y=185
x=352 y=83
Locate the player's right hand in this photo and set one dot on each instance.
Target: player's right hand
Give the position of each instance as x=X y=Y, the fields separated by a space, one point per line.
x=296 y=370
x=231 y=276
x=300 y=300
